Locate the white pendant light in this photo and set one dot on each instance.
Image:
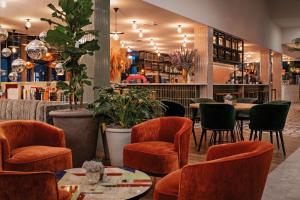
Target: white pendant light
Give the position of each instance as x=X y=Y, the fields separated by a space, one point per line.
x=185 y=39
x=128 y=49
x=116 y=36
x=141 y=34
x=184 y=44
x=27 y=24
x=152 y=41
x=123 y=44
x=134 y=25
x=179 y=28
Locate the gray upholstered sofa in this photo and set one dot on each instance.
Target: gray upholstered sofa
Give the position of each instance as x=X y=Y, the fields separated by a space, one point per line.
x=29 y=109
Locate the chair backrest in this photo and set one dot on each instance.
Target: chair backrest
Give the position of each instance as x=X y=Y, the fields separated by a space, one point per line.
x=241 y=175
x=268 y=117
x=28 y=185
x=217 y=116
x=173 y=108
x=280 y=102
x=247 y=100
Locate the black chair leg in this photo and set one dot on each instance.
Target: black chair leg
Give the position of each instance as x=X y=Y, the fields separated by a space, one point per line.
x=194 y=134
x=232 y=136
x=282 y=143
x=271 y=137
x=215 y=137
x=278 y=146
x=251 y=134
x=260 y=135
x=242 y=135
x=201 y=138
x=255 y=135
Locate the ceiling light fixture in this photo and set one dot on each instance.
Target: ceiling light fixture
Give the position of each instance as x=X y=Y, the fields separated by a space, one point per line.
x=27 y=24
x=141 y=34
x=123 y=44
x=116 y=34
x=158 y=54
x=152 y=41
x=185 y=38
x=3 y=4
x=134 y=25
x=179 y=29
x=128 y=49
x=184 y=44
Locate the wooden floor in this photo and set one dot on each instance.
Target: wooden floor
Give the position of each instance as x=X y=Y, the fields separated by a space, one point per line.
x=291 y=138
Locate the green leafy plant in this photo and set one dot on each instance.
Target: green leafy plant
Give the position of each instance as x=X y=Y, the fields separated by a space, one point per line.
x=73 y=40
x=128 y=107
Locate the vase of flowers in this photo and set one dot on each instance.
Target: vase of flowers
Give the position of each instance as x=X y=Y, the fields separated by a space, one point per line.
x=185 y=61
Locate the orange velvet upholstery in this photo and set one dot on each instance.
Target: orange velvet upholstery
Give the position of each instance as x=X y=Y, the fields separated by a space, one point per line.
x=232 y=171
x=159 y=146
x=30 y=185
x=33 y=146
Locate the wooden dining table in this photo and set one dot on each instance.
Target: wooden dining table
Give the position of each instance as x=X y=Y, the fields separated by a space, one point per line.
x=237 y=106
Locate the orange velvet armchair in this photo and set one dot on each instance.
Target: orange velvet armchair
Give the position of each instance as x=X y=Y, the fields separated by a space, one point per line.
x=30 y=185
x=232 y=171
x=159 y=146
x=33 y=146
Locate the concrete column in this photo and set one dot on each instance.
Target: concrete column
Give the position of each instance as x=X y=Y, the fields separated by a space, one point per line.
x=277 y=68
x=203 y=41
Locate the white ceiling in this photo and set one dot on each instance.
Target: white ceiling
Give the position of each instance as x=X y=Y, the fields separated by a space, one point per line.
x=164 y=33
x=17 y=11
x=285 y=13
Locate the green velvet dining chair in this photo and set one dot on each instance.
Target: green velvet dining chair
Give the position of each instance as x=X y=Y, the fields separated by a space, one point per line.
x=269 y=117
x=196 y=113
x=219 y=118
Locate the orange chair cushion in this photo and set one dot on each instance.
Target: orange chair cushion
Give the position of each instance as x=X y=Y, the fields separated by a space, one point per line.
x=168 y=187
x=39 y=158
x=155 y=157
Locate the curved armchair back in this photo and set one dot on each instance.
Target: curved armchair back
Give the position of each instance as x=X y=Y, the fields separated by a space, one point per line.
x=28 y=185
x=217 y=116
x=269 y=116
x=21 y=133
x=233 y=171
x=173 y=108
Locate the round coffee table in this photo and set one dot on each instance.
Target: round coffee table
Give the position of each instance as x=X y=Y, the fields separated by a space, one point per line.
x=117 y=183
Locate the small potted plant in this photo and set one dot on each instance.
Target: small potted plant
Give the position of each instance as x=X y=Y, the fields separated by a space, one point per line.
x=124 y=109
x=72 y=39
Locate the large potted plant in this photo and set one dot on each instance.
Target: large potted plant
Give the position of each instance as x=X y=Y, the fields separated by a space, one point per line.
x=124 y=109
x=72 y=40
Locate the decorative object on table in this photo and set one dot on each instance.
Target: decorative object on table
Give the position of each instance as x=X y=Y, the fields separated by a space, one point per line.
x=94 y=171
x=79 y=124
x=3 y=34
x=185 y=61
x=228 y=99
x=124 y=109
x=18 y=65
x=59 y=69
x=36 y=49
x=13 y=76
x=42 y=36
x=6 y=52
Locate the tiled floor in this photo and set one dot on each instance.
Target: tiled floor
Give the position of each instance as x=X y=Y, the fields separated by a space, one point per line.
x=291 y=138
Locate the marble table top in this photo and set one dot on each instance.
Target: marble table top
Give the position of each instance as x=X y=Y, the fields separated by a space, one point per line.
x=117 y=183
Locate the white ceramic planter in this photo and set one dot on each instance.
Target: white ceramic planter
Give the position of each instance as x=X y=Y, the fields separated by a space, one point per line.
x=116 y=140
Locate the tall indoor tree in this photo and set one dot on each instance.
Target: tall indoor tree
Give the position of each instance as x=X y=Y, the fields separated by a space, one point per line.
x=73 y=40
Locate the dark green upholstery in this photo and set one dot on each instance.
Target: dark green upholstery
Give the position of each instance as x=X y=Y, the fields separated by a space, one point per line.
x=268 y=117
x=246 y=100
x=280 y=102
x=173 y=108
x=196 y=112
x=217 y=116
x=244 y=115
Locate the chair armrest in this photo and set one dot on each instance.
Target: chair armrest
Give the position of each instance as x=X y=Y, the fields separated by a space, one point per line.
x=225 y=150
x=45 y=134
x=182 y=143
x=4 y=150
x=146 y=131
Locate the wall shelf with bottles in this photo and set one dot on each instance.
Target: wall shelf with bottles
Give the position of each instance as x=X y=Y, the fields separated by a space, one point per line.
x=227 y=48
